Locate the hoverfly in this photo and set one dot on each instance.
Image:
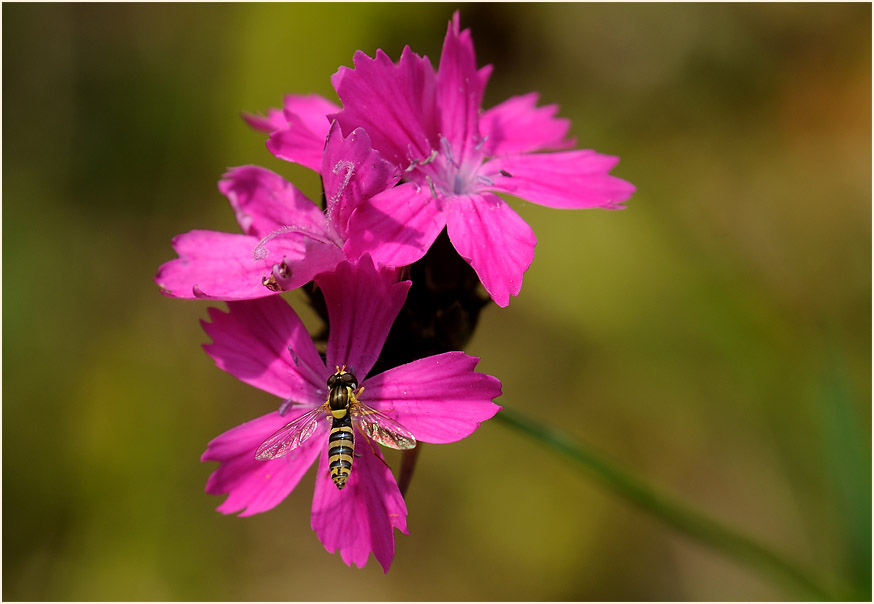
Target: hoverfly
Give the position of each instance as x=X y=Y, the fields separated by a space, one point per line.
x=345 y=410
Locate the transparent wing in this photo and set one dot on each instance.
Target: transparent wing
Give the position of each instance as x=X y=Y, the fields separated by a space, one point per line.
x=290 y=436
x=381 y=428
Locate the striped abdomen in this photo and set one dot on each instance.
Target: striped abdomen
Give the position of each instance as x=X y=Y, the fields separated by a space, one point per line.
x=340 y=450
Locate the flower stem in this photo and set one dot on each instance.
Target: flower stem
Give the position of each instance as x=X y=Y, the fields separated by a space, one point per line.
x=694 y=524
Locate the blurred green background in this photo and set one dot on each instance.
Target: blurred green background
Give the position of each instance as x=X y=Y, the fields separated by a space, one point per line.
x=716 y=334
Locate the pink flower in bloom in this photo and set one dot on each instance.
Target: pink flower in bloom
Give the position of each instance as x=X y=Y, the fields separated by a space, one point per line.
x=287 y=240
x=454 y=158
x=438 y=399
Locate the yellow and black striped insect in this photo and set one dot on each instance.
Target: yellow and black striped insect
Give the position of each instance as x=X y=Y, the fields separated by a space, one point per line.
x=346 y=413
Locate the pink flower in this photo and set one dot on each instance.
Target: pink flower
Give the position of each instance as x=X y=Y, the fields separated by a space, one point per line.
x=438 y=399
x=454 y=158
x=287 y=239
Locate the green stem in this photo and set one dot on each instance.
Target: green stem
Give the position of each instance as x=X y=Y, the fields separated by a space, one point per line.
x=686 y=520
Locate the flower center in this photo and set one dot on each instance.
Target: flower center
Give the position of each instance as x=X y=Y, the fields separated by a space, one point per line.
x=446 y=174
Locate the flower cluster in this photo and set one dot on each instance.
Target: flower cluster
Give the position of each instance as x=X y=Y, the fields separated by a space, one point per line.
x=409 y=227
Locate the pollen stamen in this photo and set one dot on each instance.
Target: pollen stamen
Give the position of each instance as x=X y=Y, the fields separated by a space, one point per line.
x=432 y=187
x=447 y=151
x=285 y=407
x=279 y=278
x=416 y=163
x=294 y=357
x=483 y=179
x=348 y=169
x=261 y=250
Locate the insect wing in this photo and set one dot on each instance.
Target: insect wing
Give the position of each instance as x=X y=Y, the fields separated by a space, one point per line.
x=290 y=436
x=383 y=429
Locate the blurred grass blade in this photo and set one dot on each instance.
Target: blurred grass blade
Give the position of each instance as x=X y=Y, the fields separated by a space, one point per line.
x=694 y=524
x=848 y=466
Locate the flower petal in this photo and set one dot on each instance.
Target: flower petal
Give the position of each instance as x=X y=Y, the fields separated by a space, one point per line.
x=255 y=486
x=318 y=256
x=297 y=144
x=497 y=243
x=359 y=519
x=224 y=266
x=302 y=138
x=264 y=343
x=459 y=90
x=212 y=265
x=395 y=227
x=440 y=398
x=274 y=120
x=518 y=126
x=394 y=103
x=352 y=172
x=264 y=201
x=564 y=180
x=311 y=110
x=362 y=303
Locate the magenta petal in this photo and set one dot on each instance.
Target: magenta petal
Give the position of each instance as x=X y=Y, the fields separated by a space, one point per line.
x=518 y=126
x=274 y=120
x=362 y=303
x=497 y=243
x=394 y=103
x=361 y=518
x=264 y=343
x=440 y=398
x=212 y=265
x=264 y=201
x=459 y=90
x=297 y=144
x=563 y=180
x=318 y=256
x=396 y=227
x=303 y=138
x=256 y=486
x=351 y=173
x=311 y=110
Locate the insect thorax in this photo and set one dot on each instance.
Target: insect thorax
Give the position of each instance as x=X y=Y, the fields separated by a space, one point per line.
x=342 y=392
